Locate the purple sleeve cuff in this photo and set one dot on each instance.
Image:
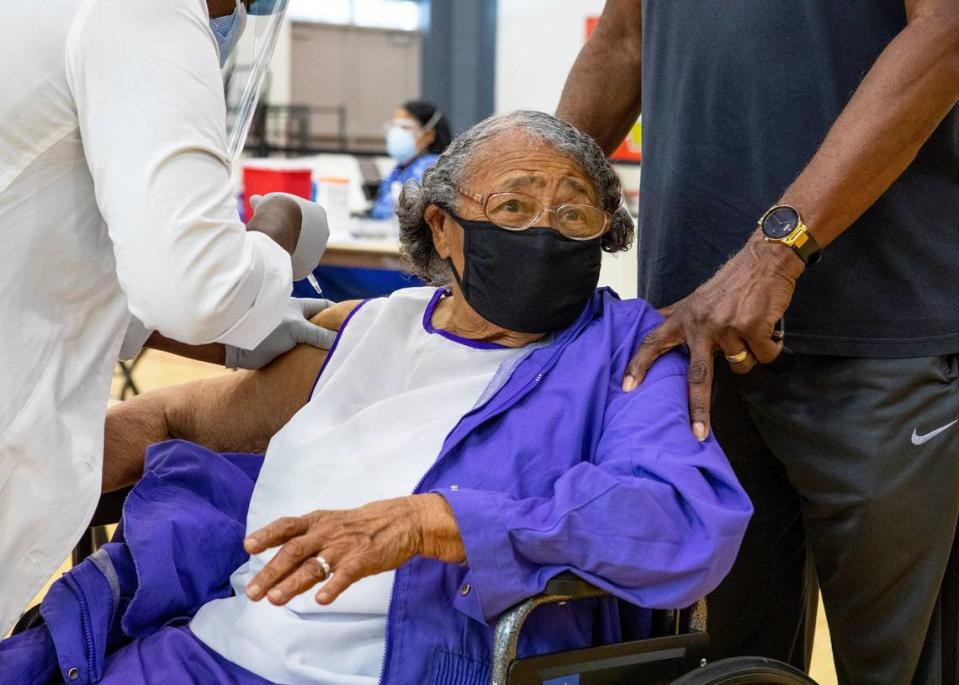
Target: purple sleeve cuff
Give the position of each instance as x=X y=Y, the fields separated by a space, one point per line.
x=495 y=580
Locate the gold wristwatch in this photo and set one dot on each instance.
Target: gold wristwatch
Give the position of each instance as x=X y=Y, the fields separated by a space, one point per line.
x=782 y=224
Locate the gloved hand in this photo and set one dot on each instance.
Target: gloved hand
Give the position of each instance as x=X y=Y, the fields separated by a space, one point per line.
x=295 y=328
x=314 y=232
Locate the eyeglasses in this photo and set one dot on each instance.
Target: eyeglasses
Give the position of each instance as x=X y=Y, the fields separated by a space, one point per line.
x=519 y=211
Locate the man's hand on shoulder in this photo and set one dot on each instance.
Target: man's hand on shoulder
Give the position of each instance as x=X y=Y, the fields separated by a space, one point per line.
x=734 y=312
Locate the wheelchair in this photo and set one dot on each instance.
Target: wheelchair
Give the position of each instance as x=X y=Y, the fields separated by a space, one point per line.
x=677 y=654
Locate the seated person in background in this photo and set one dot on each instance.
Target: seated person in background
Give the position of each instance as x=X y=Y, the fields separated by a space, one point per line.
x=415 y=136
x=461 y=446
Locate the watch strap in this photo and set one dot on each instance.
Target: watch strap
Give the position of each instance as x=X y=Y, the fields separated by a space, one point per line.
x=807 y=248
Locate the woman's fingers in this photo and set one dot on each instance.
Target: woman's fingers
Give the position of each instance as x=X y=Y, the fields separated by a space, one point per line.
x=290 y=557
x=310 y=573
x=344 y=575
x=355 y=543
x=275 y=534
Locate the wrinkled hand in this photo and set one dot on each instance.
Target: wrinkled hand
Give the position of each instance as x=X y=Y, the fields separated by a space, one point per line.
x=295 y=329
x=375 y=538
x=735 y=310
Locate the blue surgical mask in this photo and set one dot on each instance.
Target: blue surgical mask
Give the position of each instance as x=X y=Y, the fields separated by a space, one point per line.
x=228 y=30
x=401 y=144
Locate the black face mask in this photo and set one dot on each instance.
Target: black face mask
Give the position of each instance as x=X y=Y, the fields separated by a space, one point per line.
x=532 y=281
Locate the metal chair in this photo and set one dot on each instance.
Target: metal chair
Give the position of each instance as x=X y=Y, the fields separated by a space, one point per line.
x=126 y=369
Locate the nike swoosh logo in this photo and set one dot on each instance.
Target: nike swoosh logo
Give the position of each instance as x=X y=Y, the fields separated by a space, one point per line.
x=921 y=439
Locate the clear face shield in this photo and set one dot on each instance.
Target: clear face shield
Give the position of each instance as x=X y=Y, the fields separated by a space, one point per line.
x=247 y=40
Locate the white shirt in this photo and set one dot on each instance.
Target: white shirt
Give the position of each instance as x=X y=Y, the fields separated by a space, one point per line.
x=376 y=422
x=115 y=197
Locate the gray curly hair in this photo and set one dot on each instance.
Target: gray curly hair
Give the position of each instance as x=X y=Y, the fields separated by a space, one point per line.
x=440 y=182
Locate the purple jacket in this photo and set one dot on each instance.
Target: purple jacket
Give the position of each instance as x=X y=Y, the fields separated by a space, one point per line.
x=180 y=539
x=559 y=470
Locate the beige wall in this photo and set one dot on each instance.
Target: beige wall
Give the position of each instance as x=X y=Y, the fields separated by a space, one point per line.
x=369 y=71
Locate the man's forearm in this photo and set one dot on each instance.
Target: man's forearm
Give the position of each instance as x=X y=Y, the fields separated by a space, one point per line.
x=900 y=102
x=212 y=353
x=602 y=92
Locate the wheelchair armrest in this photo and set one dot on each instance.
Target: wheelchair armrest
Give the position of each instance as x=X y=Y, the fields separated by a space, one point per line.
x=570 y=586
x=563 y=588
x=567 y=587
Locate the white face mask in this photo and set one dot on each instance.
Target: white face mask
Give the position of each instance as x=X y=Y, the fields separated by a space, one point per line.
x=228 y=30
x=401 y=144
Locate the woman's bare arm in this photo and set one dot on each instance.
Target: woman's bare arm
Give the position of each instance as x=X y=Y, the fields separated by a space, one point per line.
x=238 y=412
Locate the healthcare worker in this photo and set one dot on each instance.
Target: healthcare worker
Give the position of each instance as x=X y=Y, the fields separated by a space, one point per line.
x=115 y=199
x=415 y=137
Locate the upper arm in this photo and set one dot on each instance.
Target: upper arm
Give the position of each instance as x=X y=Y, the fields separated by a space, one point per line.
x=649 y=438
x=614 y=52
x=239 y=411
x=243 y=410
x=333 y=317
x=622 y=20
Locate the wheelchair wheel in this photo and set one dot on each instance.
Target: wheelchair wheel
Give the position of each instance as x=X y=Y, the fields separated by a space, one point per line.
x=749 y=670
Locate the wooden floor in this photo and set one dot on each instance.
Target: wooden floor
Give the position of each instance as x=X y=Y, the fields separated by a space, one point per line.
x=157 y=369
x=822 y=671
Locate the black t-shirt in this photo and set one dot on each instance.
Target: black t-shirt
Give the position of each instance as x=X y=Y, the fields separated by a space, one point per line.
x=737 y=97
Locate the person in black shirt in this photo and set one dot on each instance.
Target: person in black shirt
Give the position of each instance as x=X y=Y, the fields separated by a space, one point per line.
x=786 y=133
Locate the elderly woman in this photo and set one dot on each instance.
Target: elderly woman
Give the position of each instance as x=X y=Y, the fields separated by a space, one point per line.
x=461 y=445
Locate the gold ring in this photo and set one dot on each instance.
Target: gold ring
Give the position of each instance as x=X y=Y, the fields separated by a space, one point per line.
x=737 y=358
x=325 y=565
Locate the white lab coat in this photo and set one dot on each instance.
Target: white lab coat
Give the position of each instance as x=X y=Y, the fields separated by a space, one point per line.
x=114 y=198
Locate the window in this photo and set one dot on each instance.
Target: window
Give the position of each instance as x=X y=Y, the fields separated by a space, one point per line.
x=403 y=15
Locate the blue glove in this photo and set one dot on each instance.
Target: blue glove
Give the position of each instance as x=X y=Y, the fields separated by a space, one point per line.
x=294 y=329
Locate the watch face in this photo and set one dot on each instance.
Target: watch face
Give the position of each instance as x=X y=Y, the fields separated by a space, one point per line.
x=780 y=222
